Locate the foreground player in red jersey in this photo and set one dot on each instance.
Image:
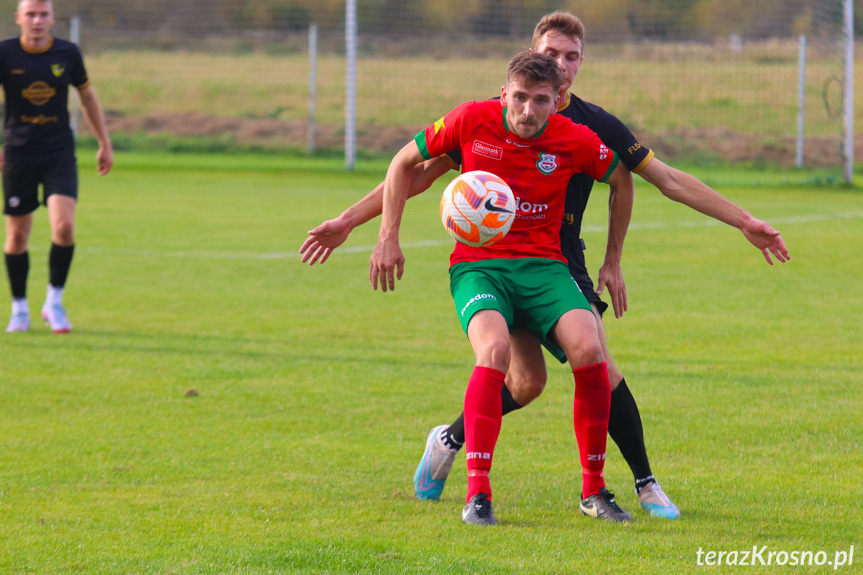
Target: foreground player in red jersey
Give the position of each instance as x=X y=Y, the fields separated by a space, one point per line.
x=522 y=281
x=561 y=35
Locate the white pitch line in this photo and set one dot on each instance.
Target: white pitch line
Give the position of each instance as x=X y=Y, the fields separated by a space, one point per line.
x=240 y=256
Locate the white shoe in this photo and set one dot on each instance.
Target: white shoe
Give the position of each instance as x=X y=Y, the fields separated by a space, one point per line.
x=656 y=502
x=434 y=467
x=55 y=316
x=18 y=322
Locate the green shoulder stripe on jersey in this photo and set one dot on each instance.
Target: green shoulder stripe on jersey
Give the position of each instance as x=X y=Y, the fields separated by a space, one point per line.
x=420 y=139
x=614 y=162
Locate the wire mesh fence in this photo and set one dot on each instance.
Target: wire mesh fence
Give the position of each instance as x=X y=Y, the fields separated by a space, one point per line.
x=695 y=77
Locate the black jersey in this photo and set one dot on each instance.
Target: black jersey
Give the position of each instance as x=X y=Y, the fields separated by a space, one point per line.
x=616 y=136
x=36 y=87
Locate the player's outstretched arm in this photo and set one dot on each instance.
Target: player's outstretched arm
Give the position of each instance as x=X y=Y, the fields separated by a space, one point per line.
x=331 y=234
x=387 y=262
x=689 y=190
x=620 y=200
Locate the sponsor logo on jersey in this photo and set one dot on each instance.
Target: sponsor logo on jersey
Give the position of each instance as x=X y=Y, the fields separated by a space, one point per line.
x=508 y=141
x=40 y=119
x=603 y=151
x=547 y=163
x=633 y=149
x=57 y=70
x=16 y=71
x=38 y=93
x=438 y=126
x=487 y=150
x=529 y=208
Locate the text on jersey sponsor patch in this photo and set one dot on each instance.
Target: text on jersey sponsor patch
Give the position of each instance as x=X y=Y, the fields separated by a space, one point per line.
x=487 y=150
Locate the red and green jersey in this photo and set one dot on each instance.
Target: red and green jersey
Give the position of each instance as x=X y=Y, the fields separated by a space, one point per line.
x=538 y=171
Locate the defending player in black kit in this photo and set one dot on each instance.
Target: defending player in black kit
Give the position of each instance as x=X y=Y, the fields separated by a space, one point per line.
x=36 y=71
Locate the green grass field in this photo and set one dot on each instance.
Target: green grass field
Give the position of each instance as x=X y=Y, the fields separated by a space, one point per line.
x=314 y=394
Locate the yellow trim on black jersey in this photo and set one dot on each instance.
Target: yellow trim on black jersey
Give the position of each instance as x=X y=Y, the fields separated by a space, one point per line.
x=643 y=162
x=42 y=51
x=562 y=106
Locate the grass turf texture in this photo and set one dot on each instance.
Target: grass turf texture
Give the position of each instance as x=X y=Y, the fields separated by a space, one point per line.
x=315 y=394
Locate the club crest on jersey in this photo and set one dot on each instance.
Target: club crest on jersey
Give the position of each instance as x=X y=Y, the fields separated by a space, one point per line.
x=603 y=151
x=58 y=69
x=547 y=163
x=438 y=126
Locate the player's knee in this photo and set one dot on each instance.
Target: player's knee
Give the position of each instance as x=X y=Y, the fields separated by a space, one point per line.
x=63 y=233
x=16 y=241
x=526 y=386
x=494 y=354
x=588 y=352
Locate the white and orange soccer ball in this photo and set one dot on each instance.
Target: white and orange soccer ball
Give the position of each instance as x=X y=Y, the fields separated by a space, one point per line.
x=477 y=208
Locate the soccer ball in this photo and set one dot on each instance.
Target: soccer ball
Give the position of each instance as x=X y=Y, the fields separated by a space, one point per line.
x=477 y=208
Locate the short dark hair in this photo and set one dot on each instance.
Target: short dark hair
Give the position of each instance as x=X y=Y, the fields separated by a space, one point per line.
x=532 y=68
x=559 y=22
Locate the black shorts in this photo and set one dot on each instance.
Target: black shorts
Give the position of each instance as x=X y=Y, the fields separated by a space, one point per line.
x=22 y=176
x=586 y=285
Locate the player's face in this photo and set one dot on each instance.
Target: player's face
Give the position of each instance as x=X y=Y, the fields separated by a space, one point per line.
x=528 y=107
x=566 y=51
x=35 y=19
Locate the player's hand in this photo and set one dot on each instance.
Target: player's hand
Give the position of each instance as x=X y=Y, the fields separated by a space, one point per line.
x=611 y=275
x=323 y=240
x=104 y=160
x=762 y=235
x=387 y=264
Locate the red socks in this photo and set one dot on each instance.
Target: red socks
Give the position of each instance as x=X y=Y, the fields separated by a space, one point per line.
x=590 y=417
x=482 y=416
